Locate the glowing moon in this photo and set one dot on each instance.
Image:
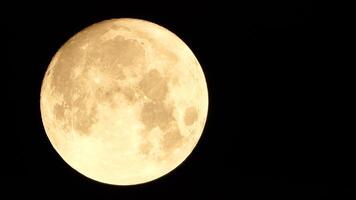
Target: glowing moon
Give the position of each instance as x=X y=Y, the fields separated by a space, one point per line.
x=124 y=101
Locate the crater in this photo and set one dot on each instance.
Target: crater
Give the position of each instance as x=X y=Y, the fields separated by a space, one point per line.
x=48 y=72
x=106 y=95
x=190 y=115
x=154 y=86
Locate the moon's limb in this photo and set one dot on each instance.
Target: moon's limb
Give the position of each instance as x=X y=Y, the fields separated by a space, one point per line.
x=124 y=101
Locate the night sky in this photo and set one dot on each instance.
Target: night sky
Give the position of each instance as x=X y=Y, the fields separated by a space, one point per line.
x=267 y=134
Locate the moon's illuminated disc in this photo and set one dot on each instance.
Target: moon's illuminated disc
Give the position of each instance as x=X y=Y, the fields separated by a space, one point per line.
x=124 y=101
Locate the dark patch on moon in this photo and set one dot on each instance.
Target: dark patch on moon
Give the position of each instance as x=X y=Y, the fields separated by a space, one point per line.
x=190 y=116
x=58 y=112
x=84 y=118
x=129 y=94
x=145 y=147
x=161 y=50
x=172 y=138
x=156 y=114
x=154 y=86
x=104 y=95
x=62 y=82
x=117 y=52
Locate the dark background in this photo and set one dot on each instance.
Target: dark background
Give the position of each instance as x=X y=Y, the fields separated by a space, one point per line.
x=271 y=132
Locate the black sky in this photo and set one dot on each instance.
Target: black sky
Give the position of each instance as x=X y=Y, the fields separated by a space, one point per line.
x=267 y=133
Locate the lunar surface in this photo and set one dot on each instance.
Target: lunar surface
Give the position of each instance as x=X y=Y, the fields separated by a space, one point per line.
x=124 y=101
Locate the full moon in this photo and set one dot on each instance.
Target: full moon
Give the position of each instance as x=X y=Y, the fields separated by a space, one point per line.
x=124 y=101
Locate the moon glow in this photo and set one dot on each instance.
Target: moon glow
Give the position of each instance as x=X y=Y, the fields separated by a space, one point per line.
x=124 y=101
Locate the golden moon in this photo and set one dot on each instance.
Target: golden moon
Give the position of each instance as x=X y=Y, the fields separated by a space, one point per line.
x=124 y=101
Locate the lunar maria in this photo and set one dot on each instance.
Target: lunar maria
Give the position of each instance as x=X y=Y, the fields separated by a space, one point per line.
x=124 y=101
